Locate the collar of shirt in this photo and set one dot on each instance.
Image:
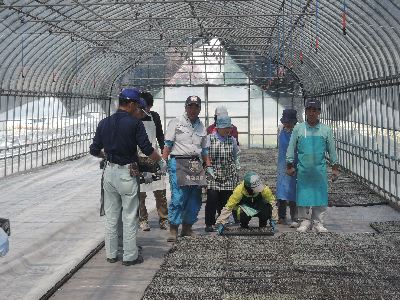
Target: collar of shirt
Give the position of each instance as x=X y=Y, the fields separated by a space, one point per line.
x=220 y=137
x=195 y=123
x=316 y=126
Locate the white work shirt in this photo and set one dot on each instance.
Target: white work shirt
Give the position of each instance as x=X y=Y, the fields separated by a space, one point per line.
x=188 y=138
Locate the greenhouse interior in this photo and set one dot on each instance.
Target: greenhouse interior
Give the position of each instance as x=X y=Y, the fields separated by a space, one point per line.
x=66 y=68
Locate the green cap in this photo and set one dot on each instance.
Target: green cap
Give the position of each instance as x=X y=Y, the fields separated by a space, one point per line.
x=253 y=181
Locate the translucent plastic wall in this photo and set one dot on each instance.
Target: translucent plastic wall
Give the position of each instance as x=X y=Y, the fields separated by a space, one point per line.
x=39 y=130
x=366 y=119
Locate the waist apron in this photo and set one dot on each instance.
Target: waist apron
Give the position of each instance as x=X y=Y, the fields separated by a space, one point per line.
x=285 y=184
x=312 y=181
x=189 y=171
x=221 y=154
x=157 y=185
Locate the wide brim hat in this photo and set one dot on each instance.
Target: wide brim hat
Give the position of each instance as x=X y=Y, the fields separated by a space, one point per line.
x=289 y=116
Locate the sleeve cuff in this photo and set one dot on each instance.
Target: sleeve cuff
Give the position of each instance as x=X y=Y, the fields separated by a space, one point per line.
x=169 y=144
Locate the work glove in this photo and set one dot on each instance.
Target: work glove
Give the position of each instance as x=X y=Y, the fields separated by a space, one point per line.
x=220 y=229
x=273 y=225
x=210 y=172
x=237 y=163
x=147 y=177
x=163 y=165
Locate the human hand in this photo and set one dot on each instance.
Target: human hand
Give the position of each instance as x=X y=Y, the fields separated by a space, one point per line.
x=291 y=171
x=210 y=172
x=220 y=229
x=273 y=225
x=162 y=163
x=335 y=175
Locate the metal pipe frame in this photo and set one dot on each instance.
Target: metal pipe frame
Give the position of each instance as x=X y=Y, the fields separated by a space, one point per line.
x=167 y=18
x=114 y=3
x=366 y=137
x=344 y=70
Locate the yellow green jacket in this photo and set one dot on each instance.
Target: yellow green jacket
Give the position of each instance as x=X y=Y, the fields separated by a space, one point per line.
x=237 y=196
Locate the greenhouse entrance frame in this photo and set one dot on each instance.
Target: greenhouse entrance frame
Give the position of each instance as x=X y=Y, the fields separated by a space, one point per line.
x=250 y=136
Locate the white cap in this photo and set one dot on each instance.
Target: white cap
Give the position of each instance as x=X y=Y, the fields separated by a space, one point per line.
x=221 y=111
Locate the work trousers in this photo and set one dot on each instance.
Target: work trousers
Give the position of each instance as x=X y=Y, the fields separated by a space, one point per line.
x=161 y=205
x=316 y=214
x=216 y=200
x=120 y=191
x=264 y=214
x=282 y=205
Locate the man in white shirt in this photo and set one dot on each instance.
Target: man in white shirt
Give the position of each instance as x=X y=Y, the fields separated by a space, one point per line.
x=186 y=144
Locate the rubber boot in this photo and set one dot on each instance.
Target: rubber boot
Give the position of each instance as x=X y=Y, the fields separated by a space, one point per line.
x=187 y=230
x=173 y=233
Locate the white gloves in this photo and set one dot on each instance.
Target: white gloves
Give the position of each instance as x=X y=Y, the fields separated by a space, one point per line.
x=148 y=177
x=237 y=163
x=210 y=171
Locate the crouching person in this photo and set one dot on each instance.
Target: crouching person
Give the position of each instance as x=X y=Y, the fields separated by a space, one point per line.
x=253 y=199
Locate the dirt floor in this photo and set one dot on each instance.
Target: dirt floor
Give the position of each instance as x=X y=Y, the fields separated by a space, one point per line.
x=352 y=261
x=345 y=192
x=290 y=265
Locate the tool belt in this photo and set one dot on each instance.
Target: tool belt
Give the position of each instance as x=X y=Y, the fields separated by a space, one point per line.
x=184 y=156
x=154 y=177
x=134 y=169
x=146 y=164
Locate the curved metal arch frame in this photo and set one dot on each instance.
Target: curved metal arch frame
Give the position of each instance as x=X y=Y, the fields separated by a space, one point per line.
x=336 y=64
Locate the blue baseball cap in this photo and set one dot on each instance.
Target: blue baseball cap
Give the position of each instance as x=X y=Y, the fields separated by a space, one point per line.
x=223 y=121
x=312 y=102
x=134 y=96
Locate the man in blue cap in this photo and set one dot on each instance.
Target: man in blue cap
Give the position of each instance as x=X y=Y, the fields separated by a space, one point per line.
x=116 y=139
x=310 y=140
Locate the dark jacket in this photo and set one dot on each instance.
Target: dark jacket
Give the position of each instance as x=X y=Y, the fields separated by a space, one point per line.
x=119 y=135
x=159 y=130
